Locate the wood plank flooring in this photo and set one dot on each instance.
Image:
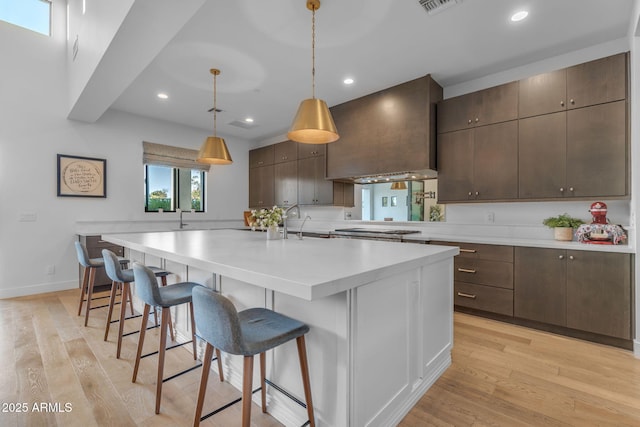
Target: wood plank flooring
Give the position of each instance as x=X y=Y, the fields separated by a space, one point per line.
x=502 y=375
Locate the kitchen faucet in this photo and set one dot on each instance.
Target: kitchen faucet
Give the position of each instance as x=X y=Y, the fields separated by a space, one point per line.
x=182 y=224
x=284 y=219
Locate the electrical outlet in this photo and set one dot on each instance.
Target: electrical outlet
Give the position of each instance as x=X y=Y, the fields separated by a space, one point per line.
x=347 y=215
x=489 y=217
x=50 y=269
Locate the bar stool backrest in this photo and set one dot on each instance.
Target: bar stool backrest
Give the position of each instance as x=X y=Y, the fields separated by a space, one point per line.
x=146 y=285
x=83 y=255
x=112 y=267
x=217 y=320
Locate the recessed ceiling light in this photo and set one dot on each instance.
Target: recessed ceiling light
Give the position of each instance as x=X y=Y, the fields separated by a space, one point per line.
x=163 y=95
x=348 y=81
x=519 y=16
x=248 y=120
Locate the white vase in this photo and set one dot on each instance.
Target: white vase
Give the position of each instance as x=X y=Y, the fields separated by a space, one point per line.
x=272 y=232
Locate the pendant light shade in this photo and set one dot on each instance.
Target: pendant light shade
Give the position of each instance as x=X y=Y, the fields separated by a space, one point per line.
x=398 y=185
x=214 y=150
x=313 y=123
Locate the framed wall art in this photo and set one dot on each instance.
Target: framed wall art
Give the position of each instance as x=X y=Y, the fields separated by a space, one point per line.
x=81 y=176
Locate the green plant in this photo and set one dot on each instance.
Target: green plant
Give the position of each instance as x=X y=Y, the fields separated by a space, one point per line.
x=563 y=220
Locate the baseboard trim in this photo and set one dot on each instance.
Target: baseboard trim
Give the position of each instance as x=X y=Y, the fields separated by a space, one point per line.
x=42 y=288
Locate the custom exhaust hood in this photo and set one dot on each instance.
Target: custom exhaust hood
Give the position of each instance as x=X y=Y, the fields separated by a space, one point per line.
x=388 y=135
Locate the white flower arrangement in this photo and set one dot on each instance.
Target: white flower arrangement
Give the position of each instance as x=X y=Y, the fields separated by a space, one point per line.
x=264 y=218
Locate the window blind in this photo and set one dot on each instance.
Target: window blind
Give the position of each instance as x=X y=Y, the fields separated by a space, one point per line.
x=167 y=155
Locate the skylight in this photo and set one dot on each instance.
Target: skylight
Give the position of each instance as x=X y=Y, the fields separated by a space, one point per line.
x=34 y=15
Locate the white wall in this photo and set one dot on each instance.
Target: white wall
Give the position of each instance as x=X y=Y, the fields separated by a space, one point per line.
x=34 y=128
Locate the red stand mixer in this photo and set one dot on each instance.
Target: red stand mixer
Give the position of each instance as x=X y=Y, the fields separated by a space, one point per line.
x=599 y=213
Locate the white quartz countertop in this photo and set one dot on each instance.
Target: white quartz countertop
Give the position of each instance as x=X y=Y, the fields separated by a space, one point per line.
x=310 y=268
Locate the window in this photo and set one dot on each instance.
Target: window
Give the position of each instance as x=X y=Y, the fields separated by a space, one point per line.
x=170 y=188
x=34 y=15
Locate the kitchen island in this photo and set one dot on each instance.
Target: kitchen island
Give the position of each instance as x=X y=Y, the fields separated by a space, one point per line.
x=380 y=313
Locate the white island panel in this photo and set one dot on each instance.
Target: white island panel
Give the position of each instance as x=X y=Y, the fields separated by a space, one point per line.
x=380 y=314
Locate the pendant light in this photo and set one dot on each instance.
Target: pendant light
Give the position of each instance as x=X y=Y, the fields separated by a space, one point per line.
x=398 y=185
x=313 y=123
x=214 y=150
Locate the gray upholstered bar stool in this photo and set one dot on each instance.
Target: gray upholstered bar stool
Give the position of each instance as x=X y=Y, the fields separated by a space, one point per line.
x=147 y=290
x=122 y=278
x=90 y=265
x=249 y=332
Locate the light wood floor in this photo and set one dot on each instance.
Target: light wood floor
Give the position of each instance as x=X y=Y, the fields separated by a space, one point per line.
x=502 y=375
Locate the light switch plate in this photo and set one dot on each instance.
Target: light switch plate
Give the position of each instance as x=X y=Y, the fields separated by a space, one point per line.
x=28 y=216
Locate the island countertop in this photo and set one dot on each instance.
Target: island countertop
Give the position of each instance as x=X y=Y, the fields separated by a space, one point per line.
x=308 y=268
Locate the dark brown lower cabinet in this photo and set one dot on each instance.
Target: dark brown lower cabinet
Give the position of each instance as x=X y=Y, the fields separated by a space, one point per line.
x=582 y=290
x=95 y=245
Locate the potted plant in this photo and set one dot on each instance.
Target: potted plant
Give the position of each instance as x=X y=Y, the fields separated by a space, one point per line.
x=563 y=226
x=267 y=219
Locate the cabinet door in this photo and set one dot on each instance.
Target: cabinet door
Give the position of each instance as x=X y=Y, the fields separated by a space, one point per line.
x=597 y=82
x=285 y=151
x=261 y=187
x=455 y=165
x=495 y=167
x=261 y=156
x=456 y=113
x=542 y=156
x=323 y=186
x=343 y=194
x=311 y=150
x=599 y=293
x=286 y=183
x=306 y=181
x=540 y=291
x=597 y=150
x=542 y=94
x=496 y=104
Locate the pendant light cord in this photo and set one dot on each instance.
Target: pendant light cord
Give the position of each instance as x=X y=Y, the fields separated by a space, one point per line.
x=214 y=105
x=313 y=52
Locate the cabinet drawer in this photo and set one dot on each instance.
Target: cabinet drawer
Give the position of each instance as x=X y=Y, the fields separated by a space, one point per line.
x=96 y=242
x=483 y=272
x=480 y=251
x=486 y=298
x=96 y=251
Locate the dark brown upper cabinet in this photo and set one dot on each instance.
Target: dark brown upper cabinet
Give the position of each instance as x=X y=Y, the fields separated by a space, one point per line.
x=577 y=153
x=263 y=156
x=595 y=82
x=493 y=105
x=479 y=164
x=286 y=151
x=389 y=131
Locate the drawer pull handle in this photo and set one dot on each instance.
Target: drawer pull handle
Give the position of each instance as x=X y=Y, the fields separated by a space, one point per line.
x=468 y=251
x=466 y=270
x=463 y=295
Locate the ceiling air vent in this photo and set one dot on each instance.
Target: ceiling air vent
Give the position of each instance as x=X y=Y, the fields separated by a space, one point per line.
x=436 y=6
x=242 y=124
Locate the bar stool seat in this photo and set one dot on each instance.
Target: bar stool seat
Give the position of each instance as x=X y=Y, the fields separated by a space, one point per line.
x=88 y=279
x=246 y=333
x=122 y=278
x=148 y=291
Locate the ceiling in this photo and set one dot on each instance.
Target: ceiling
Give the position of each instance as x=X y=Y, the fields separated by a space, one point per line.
x=264 y=52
